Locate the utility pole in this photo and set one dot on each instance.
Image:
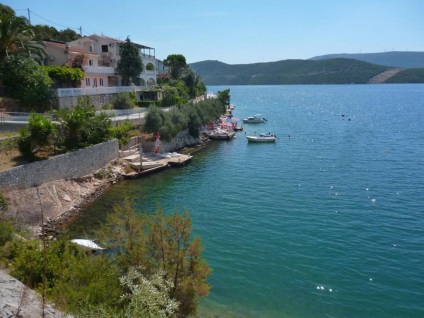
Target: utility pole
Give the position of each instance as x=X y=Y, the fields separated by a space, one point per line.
x=29 y=16
x=80 y=28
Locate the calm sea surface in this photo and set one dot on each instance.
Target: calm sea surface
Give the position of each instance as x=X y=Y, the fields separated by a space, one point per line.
x=326 y=222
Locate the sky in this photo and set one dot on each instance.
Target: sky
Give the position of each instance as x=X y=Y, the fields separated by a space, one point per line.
x=241 y=31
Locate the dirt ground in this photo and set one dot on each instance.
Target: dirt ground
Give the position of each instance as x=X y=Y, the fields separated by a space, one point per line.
x=10 y=160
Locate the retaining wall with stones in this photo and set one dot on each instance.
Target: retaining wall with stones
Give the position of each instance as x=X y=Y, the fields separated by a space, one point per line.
x=98 y=100
x=67 y=166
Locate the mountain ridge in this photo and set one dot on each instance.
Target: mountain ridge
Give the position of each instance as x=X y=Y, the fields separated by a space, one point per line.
x=298 y=71
x=402 y=59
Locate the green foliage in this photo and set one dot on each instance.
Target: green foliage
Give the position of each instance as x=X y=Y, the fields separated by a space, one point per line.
x=6 y=9
x=81 y=127
x=188 y=116
x=130 y=65
x=8 y=144
x=65 y=76
x=176 y=64
x=412 y=75
x=150 y=67
x=43 y=32
x=25 y=144
x=332 y=71
x=149 y=297
x=37 y=134
x=160 y=242
x=123 y=101
x=24 y=79
x=16 y=37
x=75 y=279
x=224 y=97
x=121 y=132
x=6 y=231
x=87 y=280
x=3 y=203
x=154 y=119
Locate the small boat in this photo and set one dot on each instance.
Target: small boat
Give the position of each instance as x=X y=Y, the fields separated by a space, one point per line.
x=254 y=119
x=263 y=137
x=219 y=134
x=87 y=244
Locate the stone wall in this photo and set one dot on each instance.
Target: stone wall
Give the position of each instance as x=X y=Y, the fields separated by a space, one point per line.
x=67 y=166
x=98 y=100
x=182 y=140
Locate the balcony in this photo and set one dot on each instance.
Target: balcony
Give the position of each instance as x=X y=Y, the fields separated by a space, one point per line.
x=99 y=70
x=70 y=92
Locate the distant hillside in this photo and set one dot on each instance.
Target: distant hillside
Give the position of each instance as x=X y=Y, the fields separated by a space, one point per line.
x=392 y=59
x=334 y=71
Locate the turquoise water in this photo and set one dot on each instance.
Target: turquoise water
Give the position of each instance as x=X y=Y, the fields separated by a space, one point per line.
x=326 y=222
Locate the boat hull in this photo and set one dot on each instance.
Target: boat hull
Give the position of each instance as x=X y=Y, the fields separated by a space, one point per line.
x=260 y=139
x=226 y=136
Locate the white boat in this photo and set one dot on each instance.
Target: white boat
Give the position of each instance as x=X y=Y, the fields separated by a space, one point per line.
x=254 y=119
x=219 y=134
x=263 y=137
x=87 y=244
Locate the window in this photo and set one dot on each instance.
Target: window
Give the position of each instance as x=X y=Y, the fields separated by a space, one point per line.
x=87 y=81
x=90 y=62
x=95 y=82
x=105 y=48
x=101 y=81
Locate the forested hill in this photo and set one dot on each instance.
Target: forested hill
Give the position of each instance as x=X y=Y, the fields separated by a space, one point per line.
x=393 y=59
x=332 y=71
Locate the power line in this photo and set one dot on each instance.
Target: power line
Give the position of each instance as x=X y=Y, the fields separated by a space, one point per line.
x=64 y=26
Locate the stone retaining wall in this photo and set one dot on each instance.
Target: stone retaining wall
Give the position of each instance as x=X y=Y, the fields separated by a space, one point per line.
x=67 y=166
x=98 y=100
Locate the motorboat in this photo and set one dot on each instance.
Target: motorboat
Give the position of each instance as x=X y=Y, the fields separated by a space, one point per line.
x=219 y=134
x=263 y=137
x=87 y=244
x=254 y=119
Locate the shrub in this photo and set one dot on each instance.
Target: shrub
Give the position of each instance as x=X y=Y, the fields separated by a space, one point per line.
x=6 y=232
x=123 y=101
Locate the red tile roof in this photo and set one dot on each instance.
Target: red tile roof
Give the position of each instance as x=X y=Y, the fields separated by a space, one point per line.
x=62 y=46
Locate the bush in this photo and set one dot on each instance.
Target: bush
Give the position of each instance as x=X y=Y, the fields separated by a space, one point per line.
x=24 y=79
x=3 y=203
x=121 y=132
x=25 y=145
x=6 y=232
x=123 y=101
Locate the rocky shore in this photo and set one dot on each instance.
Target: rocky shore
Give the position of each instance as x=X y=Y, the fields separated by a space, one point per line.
x=58 y=202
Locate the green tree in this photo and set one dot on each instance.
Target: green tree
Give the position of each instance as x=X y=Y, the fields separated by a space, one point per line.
x=68 y=35
x=16 y=37
x=81 y=127
x=176 y=64
x=154 y=120
x=6 y=9
x=224 y=97
x=123 y=101
x=38 y=134
x=160 y=242
x=130 y=65
x=24 y=79
x=44 y=32
x=125 y=231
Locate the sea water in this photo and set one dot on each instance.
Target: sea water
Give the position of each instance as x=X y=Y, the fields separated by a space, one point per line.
x=325 y=222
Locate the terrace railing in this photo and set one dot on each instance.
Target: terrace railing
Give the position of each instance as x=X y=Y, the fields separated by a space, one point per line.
x=70 y=92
